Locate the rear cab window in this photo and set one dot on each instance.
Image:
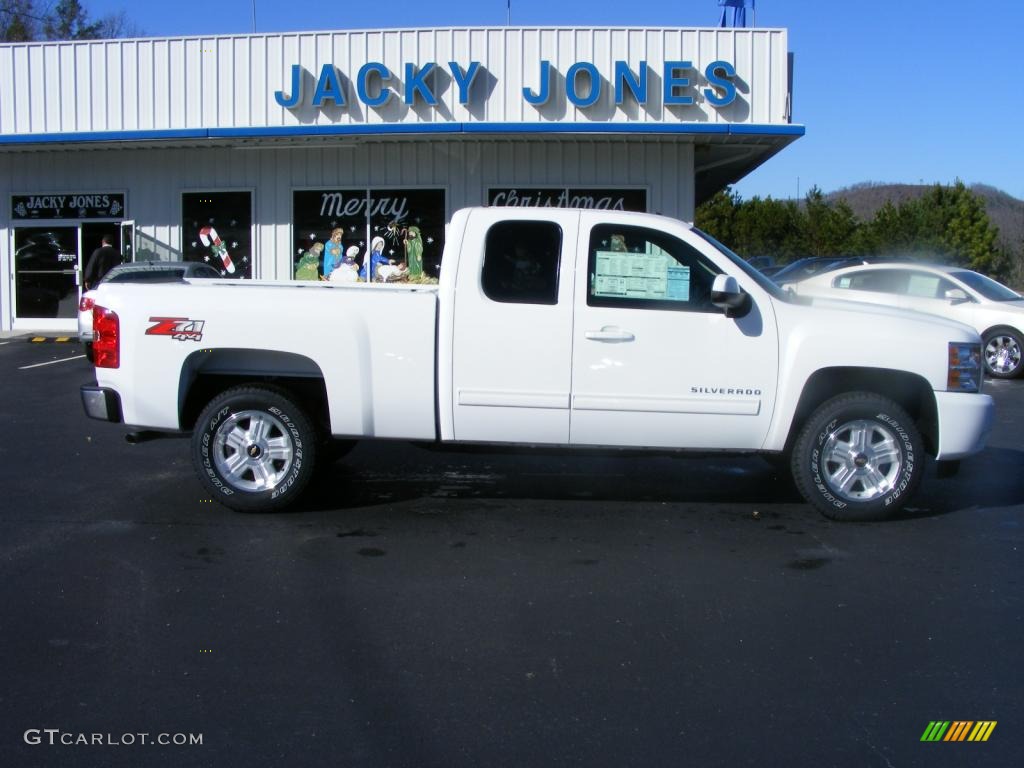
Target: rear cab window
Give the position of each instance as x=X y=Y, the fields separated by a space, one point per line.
x=521 y=262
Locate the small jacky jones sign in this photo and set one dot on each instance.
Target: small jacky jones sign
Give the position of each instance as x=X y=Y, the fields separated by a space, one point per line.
x=70 y=205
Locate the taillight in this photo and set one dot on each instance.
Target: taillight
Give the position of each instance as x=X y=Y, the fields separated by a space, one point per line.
x=86 y=303
x=106 y=341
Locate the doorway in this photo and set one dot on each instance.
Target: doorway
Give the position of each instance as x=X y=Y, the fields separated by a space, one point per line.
x=49 y=260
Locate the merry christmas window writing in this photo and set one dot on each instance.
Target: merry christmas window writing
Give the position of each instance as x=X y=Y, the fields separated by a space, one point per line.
x=599 y=198
x=217 y=230
x=361 y=235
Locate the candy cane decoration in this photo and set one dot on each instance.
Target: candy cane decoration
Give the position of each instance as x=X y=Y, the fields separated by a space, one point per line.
x=212 y=240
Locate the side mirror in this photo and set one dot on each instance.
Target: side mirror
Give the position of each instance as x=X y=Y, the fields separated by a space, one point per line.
x=957 y=296
x=726 y=294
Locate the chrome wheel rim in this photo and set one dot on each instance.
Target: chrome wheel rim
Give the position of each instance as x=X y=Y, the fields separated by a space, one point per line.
x=1002 y=354
x=253 y=451
x=861 y=460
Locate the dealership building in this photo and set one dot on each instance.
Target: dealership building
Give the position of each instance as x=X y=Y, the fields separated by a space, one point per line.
x=247 y=152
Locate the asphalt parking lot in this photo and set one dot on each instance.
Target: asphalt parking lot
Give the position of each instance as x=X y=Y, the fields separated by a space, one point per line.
x=453 y=609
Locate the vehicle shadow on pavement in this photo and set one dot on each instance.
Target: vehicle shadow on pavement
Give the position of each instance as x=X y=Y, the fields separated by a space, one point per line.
x=993 y=478
x=662 y=479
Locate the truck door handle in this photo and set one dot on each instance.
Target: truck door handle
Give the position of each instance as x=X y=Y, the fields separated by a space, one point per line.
x=609 y=333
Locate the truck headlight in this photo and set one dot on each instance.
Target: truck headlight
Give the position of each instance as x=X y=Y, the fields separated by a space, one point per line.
x=964 y=367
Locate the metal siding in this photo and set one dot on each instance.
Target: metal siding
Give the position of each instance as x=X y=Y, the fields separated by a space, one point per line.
x=229 y=82
x=113 y=107
x=44 y=59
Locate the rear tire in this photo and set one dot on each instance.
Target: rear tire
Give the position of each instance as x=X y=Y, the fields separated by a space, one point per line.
x=254 y=449
x=858 y=457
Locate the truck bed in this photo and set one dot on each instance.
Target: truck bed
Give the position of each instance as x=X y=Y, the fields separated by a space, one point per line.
x=374 y=346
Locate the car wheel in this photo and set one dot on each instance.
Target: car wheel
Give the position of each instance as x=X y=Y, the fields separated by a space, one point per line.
x=1003 y=353
x=858 y=457
x=254 y=449
x=89 y=355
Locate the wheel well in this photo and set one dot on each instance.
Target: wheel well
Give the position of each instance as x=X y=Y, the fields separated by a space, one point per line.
x=911 y=392
x=207 y=373
x=995 y=328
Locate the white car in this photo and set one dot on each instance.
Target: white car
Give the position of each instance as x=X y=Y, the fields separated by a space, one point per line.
x=137 y=272
x=992 y=309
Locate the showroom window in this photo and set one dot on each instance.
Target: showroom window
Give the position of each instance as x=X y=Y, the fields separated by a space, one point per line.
x=390 y=234
x=217 y=230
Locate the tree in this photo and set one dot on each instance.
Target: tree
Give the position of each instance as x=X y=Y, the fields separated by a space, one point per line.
x=829 y=229
x=19 y=23
x=69 y=21
x=756 y=227
x=947 y=223
x=28 y=20
x=769 y=227
x=968 y=233
x=716 y=216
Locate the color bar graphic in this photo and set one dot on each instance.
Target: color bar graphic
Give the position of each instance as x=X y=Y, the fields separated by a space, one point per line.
x=982 y=730
x=935 y=731
x=958 y=730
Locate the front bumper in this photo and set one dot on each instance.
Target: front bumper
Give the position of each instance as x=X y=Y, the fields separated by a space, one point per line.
x=964 y=423
x=101 y=403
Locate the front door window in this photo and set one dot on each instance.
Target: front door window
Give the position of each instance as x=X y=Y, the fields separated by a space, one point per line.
x=46 y=260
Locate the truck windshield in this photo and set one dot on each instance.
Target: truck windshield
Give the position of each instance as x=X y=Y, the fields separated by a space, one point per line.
x=763 y=281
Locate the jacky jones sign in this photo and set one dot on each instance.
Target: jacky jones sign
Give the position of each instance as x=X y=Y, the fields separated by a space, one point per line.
x=583 y=84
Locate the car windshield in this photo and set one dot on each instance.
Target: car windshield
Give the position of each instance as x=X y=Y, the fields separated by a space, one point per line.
x=754 y=274
x=986 y=286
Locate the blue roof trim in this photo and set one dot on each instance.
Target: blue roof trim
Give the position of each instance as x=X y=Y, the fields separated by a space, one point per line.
x=93 y=136
x=297 y=131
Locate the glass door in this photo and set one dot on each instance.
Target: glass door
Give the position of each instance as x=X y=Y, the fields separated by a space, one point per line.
x=46 y=270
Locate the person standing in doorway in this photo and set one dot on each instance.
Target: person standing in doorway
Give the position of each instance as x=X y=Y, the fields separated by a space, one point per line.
x=103 y=259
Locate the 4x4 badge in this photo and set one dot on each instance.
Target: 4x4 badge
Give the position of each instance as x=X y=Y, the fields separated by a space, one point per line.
x=180 y=328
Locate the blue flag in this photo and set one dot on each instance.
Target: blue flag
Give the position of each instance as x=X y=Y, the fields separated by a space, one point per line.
x=738 y=15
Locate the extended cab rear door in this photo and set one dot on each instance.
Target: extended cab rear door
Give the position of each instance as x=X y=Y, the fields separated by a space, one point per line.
x=511 y=351
x=655 y=364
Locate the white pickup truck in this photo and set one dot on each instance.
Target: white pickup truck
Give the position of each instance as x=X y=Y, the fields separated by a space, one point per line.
x=549 y=327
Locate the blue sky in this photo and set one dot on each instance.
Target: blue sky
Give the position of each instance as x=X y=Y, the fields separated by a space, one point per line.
x=889 y=91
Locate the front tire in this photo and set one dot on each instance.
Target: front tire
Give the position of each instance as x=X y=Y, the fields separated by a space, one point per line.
x=254 y=449
x=858 y=457
x=1003 y=348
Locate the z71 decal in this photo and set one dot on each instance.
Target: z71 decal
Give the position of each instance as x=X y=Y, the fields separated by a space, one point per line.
x=180 y=328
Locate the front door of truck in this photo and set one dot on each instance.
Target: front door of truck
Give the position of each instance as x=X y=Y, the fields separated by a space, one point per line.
x=512 y=345
x=655 y=364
